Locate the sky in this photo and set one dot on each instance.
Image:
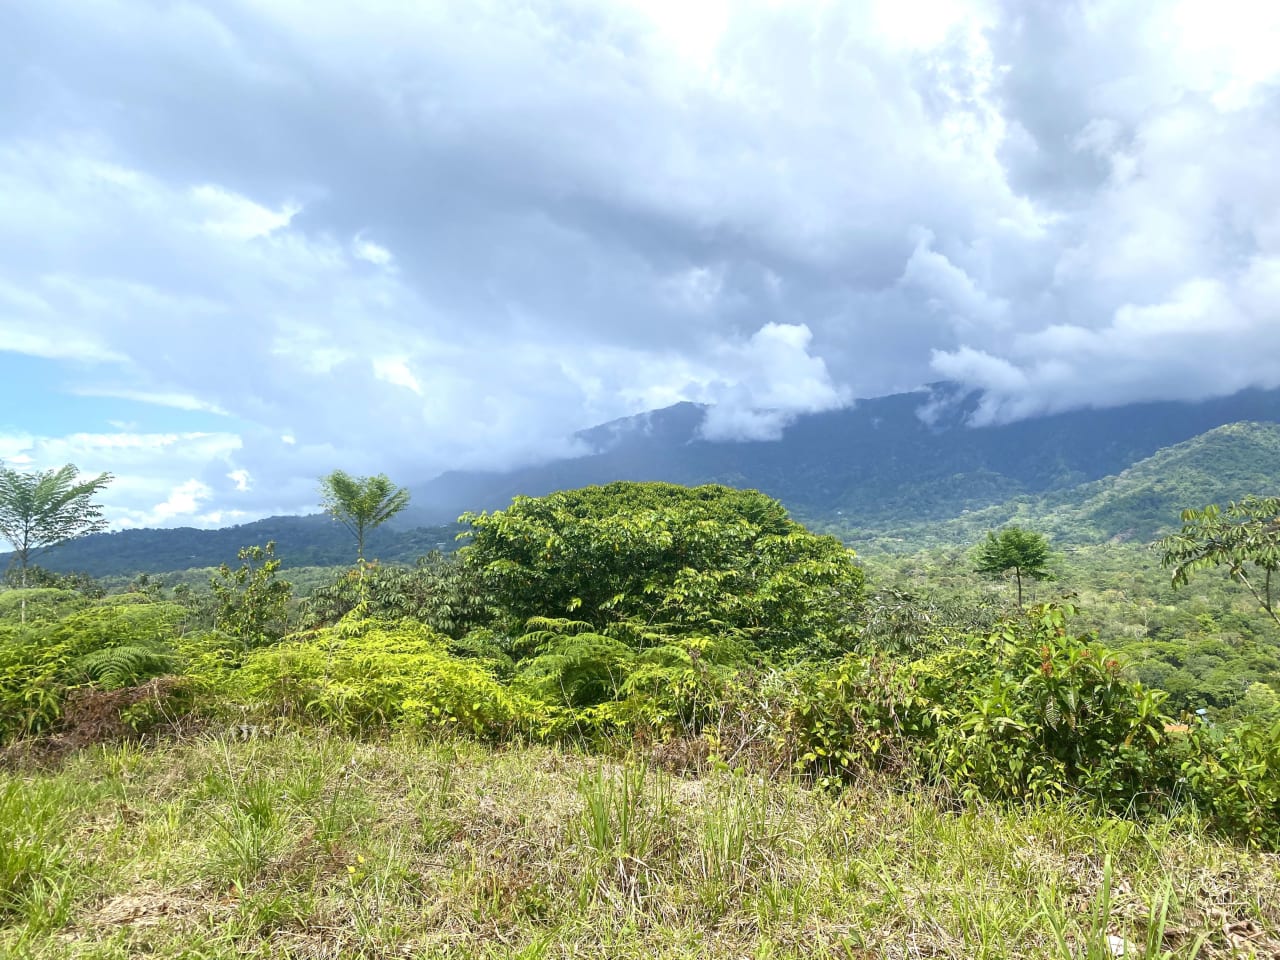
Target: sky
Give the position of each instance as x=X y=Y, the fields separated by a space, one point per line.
x=244 y=243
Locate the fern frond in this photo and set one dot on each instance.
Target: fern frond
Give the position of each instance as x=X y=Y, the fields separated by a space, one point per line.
x=557 y=625
x=126 y=665
x=580 y=670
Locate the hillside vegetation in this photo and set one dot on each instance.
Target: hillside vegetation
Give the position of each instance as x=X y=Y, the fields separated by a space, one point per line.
x=690 y=726
x=1138 y=504
x=315 y=540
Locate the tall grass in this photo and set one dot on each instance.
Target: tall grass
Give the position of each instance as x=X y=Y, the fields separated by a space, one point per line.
x=37 y=875
x=319 y=845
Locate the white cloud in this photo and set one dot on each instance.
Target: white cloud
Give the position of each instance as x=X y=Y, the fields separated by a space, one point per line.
x=407 y=238
x=949 y=290
x=774 y=380
x=152 y=481
x=1138 y=356
x=395 y=371
x=231 y=215
x=178 y=401
x=183 y=501
x=371 y=252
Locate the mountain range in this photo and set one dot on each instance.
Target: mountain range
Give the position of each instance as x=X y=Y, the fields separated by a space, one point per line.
x=881 y=463
x=907 y=466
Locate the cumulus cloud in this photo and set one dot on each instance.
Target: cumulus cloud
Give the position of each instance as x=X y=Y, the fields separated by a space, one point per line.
x=1166 y=237
x=139 y=495
x=406 y=238
x=768 y=381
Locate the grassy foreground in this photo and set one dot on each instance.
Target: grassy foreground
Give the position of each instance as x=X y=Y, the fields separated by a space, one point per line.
x=310 y=844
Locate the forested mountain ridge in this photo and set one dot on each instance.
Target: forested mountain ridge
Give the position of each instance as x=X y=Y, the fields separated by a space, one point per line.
x=314 y=540
x=1144 y=501
x=1138 y=504
x=879 y=464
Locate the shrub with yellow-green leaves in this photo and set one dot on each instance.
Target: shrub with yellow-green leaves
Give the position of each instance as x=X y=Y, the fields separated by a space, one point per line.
x=363 y=674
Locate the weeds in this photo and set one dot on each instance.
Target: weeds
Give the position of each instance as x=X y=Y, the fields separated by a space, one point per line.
x=248 y=830
x=619 y=818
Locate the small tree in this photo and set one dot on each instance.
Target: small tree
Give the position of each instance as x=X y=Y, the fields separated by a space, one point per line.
x=1245 y=538
x=1024 y=552
x=361 y=503
x=251 y=602
x=42 y=510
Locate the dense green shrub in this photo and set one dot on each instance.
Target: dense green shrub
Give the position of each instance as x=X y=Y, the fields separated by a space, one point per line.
x=628 y=677
x=1026 y=712
x=40 y=604
x=1042 y=712
x=1233 y=774
x=37 y=576
x=364 y=674
x=251 y=602
x=438 y=591
x=702 y=560
x=854 y=717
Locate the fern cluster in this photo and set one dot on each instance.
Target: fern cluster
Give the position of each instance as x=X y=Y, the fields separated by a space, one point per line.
x=363 y=674
x=127 y=665
x=111 y=643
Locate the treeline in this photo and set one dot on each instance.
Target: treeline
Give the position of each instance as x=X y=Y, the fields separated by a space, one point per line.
x=703 y=619
x=315 y=540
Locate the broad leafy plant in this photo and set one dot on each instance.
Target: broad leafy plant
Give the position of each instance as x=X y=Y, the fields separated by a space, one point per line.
x=681 y=560
x=1028 y=711
x=1244 y=538
x=1233 y=774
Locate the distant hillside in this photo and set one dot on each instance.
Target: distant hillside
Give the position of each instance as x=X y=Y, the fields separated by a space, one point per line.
x=873 y=467
x=1144 y=501
x=1140 y=503
x=316 y=540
